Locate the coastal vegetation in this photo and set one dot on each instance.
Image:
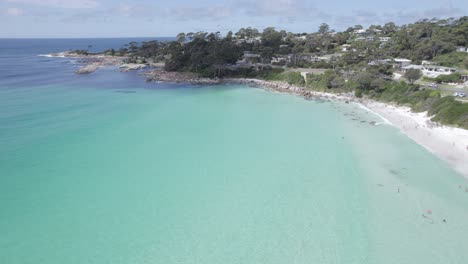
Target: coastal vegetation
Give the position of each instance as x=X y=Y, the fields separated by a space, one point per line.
x=363 y=61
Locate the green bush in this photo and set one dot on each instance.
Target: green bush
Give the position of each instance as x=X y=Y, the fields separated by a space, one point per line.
x=449 y=111
x=451 y=78
x=293 y=78
x=358 y=93
x=453 y=59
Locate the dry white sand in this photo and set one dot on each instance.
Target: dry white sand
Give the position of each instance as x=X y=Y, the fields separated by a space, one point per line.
x=448 y=143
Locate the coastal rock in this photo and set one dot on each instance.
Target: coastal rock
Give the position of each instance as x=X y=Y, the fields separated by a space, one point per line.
x=132 y=67
x=90 y=68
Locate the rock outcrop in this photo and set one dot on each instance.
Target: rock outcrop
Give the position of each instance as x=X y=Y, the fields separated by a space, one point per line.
x=90 y=68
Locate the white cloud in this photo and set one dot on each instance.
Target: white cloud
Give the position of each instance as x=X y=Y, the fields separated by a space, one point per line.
x=73 y=4
x=12 y=11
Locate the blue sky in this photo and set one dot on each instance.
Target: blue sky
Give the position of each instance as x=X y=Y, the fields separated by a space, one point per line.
x=145 y=18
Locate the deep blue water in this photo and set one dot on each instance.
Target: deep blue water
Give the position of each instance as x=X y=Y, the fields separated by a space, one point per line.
x=21 y=63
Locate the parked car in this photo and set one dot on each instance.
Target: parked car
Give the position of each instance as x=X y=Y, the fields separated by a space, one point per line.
x=459 y=94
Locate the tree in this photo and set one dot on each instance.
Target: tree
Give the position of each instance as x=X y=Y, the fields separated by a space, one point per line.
x=412 y=75
x=358 y=27
x=229 y=36
x=271 y=38
x=123 y=51
x=190 y=36
x=133 y=47
x=181 y=38
x=465 y=63
x=451 y=78
x=364 y=80
x=389 y=28
x=378 y=84
x=324 y=28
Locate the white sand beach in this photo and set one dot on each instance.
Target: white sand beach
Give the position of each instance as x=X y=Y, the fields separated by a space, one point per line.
x=448 y=143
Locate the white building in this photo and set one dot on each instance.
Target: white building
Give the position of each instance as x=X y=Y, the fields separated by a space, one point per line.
x=431 y=71
x=300 y=38
x=380 y=62
x=462 y=49
x=425 y=62
x=345 y=47
x=250 y=40
x=250 y=57
x=384 y=39
x=359 y=31
x=402 y=62
x=279 y=60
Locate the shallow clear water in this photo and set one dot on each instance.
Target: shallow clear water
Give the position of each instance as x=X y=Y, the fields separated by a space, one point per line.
x=106 y=168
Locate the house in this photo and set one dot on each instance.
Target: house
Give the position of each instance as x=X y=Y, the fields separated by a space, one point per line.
x=380 y=62
x=396 y=63
x=250 y=58
x=384 y=39
x=359 y=31
x=431 y=71
x=280 y=60
x=345 y=47
x=249 y=40
x=400 y=63
x=425 y=62
x=462 y=49
x=464 y=78
x=307 y=58
x=360 y=39
x=300 y=38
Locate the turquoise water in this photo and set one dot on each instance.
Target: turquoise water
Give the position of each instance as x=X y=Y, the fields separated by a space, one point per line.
x=108 y=169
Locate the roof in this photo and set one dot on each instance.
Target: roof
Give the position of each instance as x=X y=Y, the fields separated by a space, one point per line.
x=440 y=67
x=251 y=55
x=401 y=60
x=412 y=66
x=360 y=31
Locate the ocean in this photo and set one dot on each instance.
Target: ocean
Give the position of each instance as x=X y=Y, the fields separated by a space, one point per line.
x=108 y=168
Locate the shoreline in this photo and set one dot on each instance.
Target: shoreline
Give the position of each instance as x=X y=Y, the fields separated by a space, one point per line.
x=449 y=144
x=92 y=62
